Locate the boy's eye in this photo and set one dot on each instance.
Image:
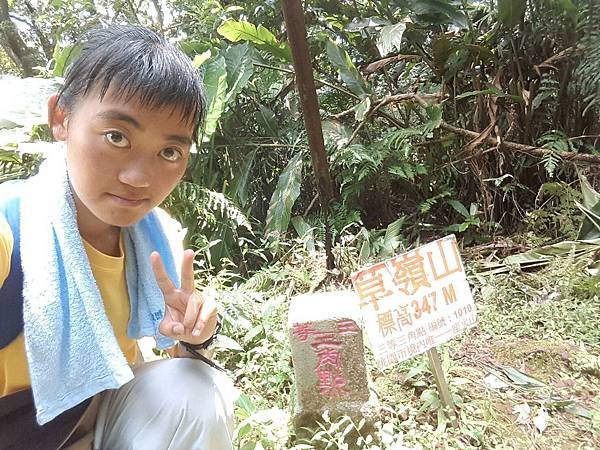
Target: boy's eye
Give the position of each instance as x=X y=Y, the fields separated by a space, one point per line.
x=171 y=154
x=117 y=139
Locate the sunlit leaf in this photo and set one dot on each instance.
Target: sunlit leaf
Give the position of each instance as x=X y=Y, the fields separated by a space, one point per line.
x=240 y=183
x=362 y=109
x=225 y=342
x=459 y=207
x=201 y=58
x=368 y=22
x=390 y=38
x=522 y=411
x=541 y=419
x=62 y=57
x=392 y=239
x=237 y=31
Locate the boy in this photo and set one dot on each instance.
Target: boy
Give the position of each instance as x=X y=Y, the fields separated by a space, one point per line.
x=98 y=263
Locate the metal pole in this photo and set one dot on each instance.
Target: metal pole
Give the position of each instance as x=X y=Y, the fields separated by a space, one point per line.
x=305 y=83
x=438 y=374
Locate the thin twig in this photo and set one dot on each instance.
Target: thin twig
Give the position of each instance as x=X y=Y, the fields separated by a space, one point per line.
x=319 y=80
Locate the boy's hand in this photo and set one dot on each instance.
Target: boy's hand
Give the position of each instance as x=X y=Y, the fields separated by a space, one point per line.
x=188 y=316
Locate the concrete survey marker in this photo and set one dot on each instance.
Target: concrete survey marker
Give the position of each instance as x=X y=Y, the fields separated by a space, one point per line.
x=328 y=356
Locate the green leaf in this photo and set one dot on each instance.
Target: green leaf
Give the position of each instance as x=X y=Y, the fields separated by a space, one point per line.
x=579 y=411
x=266 y=121
x=233 y=8
x=201 y=58
x=305 y=232
x=522 y=379
x=591 y=205
x=392 y=240
x=565 y=6
x=240 y=181
x=434 y=112
x=6 y=124
x=511 y=12
x=246 y=404
x=284 y=197
x=62 y=56
x=238 y=60
x=215 y=85
x=439 y=12
x=390 y=37
x=459 y=207
x=456 y=61
x=225 y=342
x=236 y=31
x=441 y=49
x=347 y=70
x=365 y=252
x=362 y=109
x=592 y=220
x=369 y=22
x=193 y=47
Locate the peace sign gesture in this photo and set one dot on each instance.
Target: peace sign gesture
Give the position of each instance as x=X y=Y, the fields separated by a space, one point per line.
x=189 y=316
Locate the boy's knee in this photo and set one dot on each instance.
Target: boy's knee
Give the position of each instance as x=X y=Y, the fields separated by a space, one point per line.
x=191 y=384
x=181 y=402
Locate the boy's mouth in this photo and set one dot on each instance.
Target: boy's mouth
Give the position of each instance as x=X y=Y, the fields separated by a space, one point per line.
x=127 y=201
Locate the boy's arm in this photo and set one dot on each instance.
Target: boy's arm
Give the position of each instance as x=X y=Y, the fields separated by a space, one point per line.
x=6 y=247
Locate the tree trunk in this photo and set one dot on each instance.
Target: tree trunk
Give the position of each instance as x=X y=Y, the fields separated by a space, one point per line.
x=296 y=31
x=13 y=43
x=47 y=46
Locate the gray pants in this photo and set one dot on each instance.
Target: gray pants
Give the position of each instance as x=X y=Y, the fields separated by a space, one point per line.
x=176 y=404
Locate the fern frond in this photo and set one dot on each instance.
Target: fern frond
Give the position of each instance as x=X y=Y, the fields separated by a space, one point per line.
x=587 y=74
x=210 y=210
x=557 y=142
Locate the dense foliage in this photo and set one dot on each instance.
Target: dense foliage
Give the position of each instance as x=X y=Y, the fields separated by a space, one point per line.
x=439 y=116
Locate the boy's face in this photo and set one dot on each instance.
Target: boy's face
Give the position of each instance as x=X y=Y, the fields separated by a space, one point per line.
x=123 y=158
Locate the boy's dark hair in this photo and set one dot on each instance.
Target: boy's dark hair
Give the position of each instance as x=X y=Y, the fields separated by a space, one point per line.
x=135 y=62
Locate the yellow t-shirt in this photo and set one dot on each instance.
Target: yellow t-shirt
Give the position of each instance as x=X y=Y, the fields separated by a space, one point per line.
x=109 y=272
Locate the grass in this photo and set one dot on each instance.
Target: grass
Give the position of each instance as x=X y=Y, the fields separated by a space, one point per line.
x=543 y=324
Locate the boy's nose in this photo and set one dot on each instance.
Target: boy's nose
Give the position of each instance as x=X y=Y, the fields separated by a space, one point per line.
x=136 y=174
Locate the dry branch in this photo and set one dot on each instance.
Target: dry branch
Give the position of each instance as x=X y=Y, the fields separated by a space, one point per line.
x=522 y=148
x=376 y=65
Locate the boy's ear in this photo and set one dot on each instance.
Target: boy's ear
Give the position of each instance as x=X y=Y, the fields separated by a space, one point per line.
x=57 y=119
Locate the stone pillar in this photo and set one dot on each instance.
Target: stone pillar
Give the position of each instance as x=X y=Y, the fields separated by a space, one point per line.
x=329 y=361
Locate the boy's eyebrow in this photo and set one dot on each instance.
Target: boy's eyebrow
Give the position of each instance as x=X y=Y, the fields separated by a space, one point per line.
x=181 y=139
x=117 y=115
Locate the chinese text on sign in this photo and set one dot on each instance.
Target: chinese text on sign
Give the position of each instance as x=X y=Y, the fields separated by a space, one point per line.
x=415 y=301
